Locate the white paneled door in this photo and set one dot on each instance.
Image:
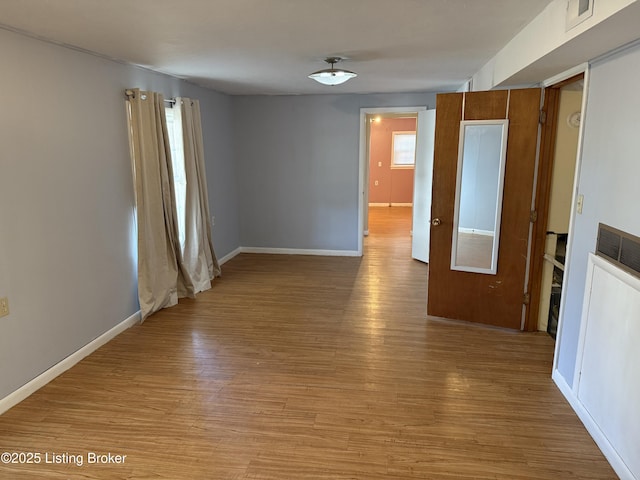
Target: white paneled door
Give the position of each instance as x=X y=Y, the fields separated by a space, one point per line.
x=423 y=174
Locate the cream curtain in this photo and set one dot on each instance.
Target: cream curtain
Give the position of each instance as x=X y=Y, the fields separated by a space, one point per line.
x=161 y=277
x=199 y=259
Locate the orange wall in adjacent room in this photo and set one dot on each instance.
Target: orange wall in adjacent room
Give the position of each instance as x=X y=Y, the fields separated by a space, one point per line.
x=395 y=185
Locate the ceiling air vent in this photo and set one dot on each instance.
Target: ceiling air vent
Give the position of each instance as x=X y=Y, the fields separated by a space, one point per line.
x=577 y=12
x=620 y=247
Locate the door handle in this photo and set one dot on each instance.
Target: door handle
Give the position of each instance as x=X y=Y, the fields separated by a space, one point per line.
x=436 y=222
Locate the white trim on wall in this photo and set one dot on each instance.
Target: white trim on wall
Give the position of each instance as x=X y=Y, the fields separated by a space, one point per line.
x=300 y=251
x=392 y=204
x=229 y=256
x=615 y=51
x=65 y=364
x=566 y=75
x=598 y=436
x=576 y=185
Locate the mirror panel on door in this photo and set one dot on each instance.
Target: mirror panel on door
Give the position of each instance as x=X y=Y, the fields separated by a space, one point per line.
x=478 y=196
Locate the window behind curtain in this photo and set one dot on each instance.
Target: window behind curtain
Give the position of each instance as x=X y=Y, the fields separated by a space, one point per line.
x=174 y=127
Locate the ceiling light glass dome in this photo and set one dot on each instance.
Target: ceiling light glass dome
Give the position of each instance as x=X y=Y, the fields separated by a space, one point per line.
x=332 y=76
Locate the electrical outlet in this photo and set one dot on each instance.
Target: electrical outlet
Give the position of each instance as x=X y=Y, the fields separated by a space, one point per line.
x=213 y=220
x=4 y=307
x=376 y=183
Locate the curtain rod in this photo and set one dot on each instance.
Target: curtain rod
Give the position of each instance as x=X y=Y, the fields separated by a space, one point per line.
x=131 y=94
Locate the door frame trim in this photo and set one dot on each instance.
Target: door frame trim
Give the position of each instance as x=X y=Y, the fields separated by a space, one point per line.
x=363 y=164
x=542 y=192
x=566 y=75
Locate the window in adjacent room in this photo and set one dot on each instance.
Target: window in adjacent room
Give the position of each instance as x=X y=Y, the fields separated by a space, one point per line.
x=403 y=153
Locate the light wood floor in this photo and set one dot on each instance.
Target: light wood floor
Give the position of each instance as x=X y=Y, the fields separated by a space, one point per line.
x=310 y=368
x=474 y=250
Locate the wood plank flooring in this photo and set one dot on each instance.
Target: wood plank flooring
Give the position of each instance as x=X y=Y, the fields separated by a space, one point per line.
x=302 y=367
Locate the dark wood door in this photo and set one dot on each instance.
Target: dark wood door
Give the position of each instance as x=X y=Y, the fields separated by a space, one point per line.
x=491 y=299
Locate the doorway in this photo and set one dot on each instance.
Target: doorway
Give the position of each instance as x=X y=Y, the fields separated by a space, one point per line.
x=556 y=190
x=395 y=179
x=470 y=300
x=392 y=154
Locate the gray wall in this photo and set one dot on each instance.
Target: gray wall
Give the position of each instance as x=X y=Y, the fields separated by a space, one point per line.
x=298 y=167
x=609 y=179
x=67 y=236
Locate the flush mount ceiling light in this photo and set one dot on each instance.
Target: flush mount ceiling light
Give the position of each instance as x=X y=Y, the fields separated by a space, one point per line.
x=332 y=76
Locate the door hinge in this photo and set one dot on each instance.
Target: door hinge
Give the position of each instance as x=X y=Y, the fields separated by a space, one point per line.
x=543 y=117
x=533 y=217
x=526 y=299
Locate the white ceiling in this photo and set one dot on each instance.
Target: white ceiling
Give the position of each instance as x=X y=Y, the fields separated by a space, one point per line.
x=270 y=46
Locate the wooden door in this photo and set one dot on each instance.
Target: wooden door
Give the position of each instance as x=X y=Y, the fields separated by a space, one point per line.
x=491 y=299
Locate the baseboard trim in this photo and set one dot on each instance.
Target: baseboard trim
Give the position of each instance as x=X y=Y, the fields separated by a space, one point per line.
x=65 y=364
x=476 y=231
x=392 y=204
x=229 y=256
x=300 y=251
x=592 y=427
